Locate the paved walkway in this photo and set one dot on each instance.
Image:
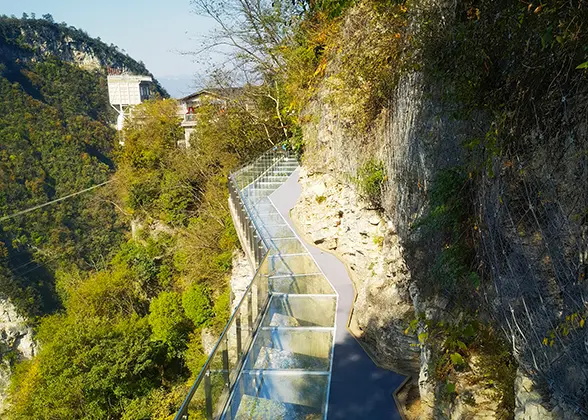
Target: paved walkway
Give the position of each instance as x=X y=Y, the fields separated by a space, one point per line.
x=359 y=389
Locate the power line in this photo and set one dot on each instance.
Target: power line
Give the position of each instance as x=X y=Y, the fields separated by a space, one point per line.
x=54 y=201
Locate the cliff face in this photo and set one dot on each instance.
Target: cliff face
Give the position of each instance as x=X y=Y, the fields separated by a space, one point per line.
x=330 y=215
x=16 y=344
x=526 y=238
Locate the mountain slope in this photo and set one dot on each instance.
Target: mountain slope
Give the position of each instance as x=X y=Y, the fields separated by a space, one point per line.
x=55 y=138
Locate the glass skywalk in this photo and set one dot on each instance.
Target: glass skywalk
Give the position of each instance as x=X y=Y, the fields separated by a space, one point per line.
x=274 y=359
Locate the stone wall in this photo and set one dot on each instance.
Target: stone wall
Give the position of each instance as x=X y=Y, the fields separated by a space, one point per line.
x=331 y=215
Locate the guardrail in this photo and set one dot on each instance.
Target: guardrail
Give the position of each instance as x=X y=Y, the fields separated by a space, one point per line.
x=210 y=392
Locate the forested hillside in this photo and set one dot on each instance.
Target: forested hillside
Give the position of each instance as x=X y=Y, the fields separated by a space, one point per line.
x=55 y=139
x=128 y=341
x=122 y=282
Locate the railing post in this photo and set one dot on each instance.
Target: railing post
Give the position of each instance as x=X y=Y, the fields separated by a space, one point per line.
x=208 y=395
x=251 y=242
x=238 y=328
x=226 y=372
x=250 y=311
x=254 y=248
x=260 y=302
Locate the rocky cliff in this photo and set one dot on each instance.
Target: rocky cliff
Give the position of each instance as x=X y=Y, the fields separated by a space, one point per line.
x=482 y=210
x=16 y=344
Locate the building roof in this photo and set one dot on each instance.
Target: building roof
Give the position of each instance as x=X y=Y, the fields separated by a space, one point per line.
x=224 y=93
x=128 y=78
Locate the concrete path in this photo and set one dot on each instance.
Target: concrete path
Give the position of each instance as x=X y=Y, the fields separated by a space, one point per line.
x=359 y=389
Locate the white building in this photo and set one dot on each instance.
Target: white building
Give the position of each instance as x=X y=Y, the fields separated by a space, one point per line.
x=125 y=91
x=189 y=104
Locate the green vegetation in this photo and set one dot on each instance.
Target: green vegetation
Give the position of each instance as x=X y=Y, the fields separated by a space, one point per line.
x=450 y=218
x=370 y=178
x=468 y=346
x=125 y=341
x=196 y=303
x=167 y=320
x=118 y=318
x=454 y=276
x=153 y=180
x=55 y=139
x=47 y=150
x=378 y=240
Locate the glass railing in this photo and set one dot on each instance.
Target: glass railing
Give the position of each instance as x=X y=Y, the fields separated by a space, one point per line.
x=274 y=357
x=209 y=394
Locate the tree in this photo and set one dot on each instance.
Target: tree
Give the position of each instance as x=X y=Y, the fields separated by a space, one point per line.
x=196 y=304
x=168 y=321
x=48 y=18
x=254 y=28
x=87 y=368
x=254 y=33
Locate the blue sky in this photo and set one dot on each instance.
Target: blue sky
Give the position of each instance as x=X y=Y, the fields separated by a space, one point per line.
x=153 y=31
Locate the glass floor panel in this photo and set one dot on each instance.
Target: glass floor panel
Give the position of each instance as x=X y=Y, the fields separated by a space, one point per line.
x=269 y=218
x=279 y=396
x=276 y=231
x=264 y=208
x=300 y=311
x=292 y=264
x=304 y=284
x=281 y=349
x=287 y=246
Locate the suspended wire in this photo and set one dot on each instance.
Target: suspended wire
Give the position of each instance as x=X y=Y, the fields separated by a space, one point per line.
x=54 y=201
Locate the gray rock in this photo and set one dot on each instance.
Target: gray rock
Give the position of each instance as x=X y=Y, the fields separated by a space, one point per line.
x=15 y=337
x=378 y=271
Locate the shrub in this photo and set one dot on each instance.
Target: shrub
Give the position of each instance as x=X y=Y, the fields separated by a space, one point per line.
x=167 y=319
x=222 y=310
x=196 y=303
x=379 y=240
x=370 y=178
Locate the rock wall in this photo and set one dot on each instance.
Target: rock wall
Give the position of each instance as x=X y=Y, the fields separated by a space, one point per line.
x=415 y=139
x=330 y=215
x=241 y=275
x=531 y=240
x=16 y=343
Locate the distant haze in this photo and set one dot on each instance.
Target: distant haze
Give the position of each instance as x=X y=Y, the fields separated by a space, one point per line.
x=152 y=31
